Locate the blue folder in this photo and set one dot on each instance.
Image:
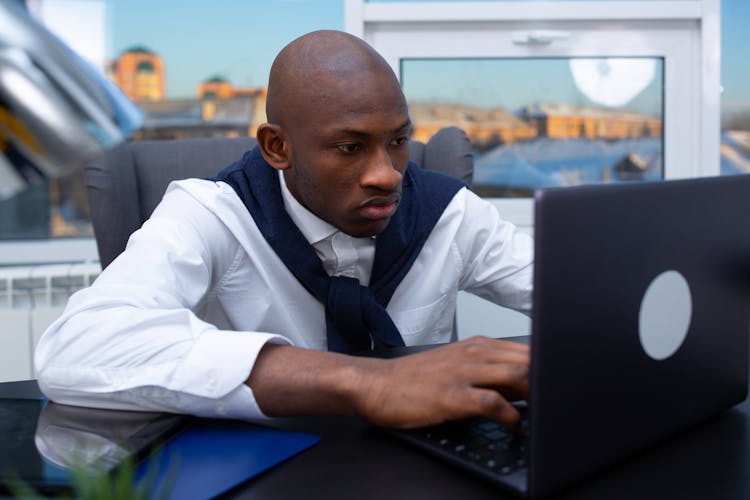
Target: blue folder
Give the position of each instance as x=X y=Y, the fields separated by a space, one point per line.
x=211 y=457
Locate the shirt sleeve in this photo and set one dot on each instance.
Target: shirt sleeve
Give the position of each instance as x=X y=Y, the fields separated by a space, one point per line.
x=133 y=341
x=496 y=257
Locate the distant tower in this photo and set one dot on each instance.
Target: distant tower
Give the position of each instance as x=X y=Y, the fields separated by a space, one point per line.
x=218 y=93
x=215 y=88
x=140 y=74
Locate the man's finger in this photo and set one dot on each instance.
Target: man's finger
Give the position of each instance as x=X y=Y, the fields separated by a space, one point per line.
x=491 y=404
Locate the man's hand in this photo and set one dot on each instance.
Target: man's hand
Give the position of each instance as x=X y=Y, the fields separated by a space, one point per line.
x=478 y=376
x=474 y=377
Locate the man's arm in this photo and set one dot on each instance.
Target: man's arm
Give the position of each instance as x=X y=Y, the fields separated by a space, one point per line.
x=498 y=257
x=133 y=339
x=474 y=377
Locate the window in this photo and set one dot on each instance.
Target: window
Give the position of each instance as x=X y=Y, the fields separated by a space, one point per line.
x=680 y=38
x=164 y=56
x=544 y=122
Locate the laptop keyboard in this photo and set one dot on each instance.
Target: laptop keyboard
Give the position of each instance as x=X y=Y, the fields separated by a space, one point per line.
x=477 y=444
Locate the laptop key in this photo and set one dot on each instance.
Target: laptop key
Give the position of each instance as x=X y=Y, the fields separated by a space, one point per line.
x=497 y=435
x=478 y=443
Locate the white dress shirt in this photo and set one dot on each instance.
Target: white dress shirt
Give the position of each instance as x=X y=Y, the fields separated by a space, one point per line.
x=341 y=254
x=176 y=322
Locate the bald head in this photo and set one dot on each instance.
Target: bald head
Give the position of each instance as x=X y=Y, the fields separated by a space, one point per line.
x=315 y=68
x=328 y=82
x=338 y=130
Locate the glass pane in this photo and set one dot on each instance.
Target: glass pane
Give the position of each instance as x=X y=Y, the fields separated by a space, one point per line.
x=735 y=81
x=544 y=122
x=735 y=149
x=186 y=89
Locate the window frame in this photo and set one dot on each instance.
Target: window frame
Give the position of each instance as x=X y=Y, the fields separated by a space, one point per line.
x=685 y=33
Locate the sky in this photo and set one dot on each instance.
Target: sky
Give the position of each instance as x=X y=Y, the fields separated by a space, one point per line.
x=523 y=81
x=735 y=64
x=238 y=39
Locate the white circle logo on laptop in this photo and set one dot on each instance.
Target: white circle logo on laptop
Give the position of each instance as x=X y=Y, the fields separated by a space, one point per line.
x=664 y=318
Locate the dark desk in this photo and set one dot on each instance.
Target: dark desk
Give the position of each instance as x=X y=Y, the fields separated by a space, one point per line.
x=354 y=460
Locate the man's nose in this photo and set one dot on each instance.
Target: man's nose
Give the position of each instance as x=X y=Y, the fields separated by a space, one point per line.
x=381 y=171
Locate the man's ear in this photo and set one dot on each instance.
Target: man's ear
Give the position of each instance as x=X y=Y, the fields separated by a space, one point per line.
x=274 y=145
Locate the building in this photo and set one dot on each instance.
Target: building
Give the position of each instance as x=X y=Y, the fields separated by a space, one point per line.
x=139 y=72
x=218 y=95
x=186 y=118
x=486 y=127
x=565 y=121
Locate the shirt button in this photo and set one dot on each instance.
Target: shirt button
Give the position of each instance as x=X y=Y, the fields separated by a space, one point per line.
x=211 y=384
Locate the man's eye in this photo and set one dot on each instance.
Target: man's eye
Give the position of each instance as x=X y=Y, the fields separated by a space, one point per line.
x=400 y=141
x=349 y=148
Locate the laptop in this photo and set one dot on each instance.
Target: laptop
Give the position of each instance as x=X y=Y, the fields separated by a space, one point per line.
x=640 y=330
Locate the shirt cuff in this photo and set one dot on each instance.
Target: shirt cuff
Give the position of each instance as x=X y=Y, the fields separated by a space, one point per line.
x=215 y=372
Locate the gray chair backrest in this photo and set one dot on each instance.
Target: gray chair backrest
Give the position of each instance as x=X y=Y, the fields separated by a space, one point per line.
x=125 y=184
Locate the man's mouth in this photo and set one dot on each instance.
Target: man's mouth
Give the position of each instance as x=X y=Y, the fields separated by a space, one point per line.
x=380 y=208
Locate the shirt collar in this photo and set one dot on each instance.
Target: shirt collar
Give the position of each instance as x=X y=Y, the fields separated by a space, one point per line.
x=313 y=228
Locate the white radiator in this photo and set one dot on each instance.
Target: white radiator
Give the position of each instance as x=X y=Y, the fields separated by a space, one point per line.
x=31 y=298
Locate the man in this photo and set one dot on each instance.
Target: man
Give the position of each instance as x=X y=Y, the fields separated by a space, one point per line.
x=230 y=299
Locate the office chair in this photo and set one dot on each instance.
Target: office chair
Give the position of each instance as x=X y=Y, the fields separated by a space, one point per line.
x=125 y=184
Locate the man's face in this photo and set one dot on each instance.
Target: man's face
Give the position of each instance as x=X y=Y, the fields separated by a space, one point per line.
x=349 y=149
